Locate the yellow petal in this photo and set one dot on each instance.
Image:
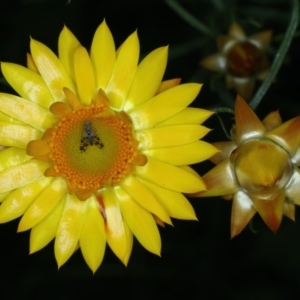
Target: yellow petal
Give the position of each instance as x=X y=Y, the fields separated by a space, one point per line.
x=215 y=62
x=261 y=167
x=271 y=211
x=43 y=204
x=114 y=226
x=175 y=203
x=140 y=221
x=129 y=243
x=84 y=76
x=164 y=105
x=72 y=99
x=184 y=154
x=92 y=239
x=144 y=198
x=236 y=31
x=123 y=72
x=293 y=187
x=26 y=111
x=147 y=78
x=225 y=150
x=27 y=84
x=31 y=64
x=296 y=158
x=51 y=69
x=169 y=177
x=168 y=84
x=17 y=135
x=10 y=157
x=20 y=175
x=168 y=136
x=158 y=221
x=45 y=231
x=189 y=115
x=287 y=135
x=3 y=196
x=244 y=86
x=262 y=39
x=103 y=55
x=247 y=123
x=242 y=212
x=191 y=171
x=69 y=228
x=225 y=43
x=272 y=120
x=219 y=181
x=67 y=43
x=60 y=109
x=18 y=200
x=9 y=119
x=289 y=210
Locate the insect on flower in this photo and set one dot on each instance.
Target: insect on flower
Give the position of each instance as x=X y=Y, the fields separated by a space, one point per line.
x=89 y=138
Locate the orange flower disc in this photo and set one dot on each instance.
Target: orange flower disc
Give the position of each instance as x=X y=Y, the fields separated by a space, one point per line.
x=91 y=148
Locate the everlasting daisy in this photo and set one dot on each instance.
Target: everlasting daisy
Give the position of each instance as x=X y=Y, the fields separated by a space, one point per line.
x=258 y=169
x=98 y=147
x=243 y=59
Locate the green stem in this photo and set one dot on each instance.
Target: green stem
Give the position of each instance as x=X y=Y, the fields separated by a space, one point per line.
x=190 y=19
x=218 y=110
x=279 y=56
x=222 y=110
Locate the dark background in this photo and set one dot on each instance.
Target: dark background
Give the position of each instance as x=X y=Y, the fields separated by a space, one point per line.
x=199 y=261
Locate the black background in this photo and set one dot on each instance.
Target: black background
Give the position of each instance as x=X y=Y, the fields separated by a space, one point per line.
x=198 y=260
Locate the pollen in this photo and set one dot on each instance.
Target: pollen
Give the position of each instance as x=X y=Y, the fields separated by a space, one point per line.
x=91 y=148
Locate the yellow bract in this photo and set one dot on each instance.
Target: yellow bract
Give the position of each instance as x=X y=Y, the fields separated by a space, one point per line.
x=261 y=166
x=258 y=169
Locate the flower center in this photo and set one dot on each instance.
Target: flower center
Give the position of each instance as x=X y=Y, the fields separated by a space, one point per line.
x=91 y=148
x=245 y=60
x=91 y=151
x=262 y=168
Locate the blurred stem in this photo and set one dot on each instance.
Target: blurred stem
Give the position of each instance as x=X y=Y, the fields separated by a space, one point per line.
x=279 y=56
x=278 y=38
x=222 y=110
x=190 y=19
x=219 y=5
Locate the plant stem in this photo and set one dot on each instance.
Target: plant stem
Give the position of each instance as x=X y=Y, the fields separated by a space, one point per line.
x=279 y=56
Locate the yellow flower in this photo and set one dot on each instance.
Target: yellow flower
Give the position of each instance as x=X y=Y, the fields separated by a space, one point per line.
x=242 y=58
x=98 y=147
x=258 y=169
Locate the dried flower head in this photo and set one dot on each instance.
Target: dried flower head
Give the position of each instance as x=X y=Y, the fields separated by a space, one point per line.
x=258 y=169
x=243 y=59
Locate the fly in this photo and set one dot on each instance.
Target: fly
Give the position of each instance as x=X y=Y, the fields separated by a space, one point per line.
x=89 y=138
x=88 y=132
